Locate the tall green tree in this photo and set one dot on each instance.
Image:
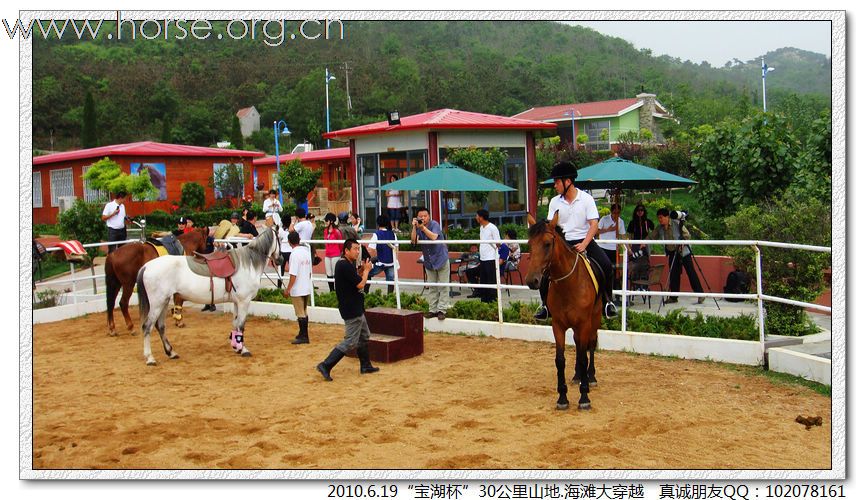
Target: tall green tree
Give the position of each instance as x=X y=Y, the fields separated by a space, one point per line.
x=488 y=163
x=88 y=123
x=236 y=137
x=297 y=181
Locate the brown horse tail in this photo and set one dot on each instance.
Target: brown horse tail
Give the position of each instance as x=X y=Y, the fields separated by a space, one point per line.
x=143 y=301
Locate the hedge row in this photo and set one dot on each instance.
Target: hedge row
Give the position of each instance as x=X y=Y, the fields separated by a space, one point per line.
x=675 y=322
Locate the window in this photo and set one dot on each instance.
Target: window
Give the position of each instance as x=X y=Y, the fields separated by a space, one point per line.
x=91 y=194
x=61 y=185
x=37 y=189
x=598 y=139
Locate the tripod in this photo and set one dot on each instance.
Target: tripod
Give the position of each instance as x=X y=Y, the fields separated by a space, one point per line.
x=678 y=254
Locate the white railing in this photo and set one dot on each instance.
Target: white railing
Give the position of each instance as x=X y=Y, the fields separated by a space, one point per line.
x=625 y=292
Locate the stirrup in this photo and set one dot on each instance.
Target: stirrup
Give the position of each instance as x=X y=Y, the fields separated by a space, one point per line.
x=610 y=310
x=542 y=312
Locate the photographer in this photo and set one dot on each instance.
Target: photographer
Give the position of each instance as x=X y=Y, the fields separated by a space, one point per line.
x=435 y=261
x=677 y=255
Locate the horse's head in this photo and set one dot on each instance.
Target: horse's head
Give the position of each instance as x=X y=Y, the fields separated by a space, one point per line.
x=542 y=239
x=201 y=241
x=273 y=250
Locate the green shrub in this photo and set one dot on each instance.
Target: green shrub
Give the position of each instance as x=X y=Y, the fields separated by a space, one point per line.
x=192 y=196
x=83 y=222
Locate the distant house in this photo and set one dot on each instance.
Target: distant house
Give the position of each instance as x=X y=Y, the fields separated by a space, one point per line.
x=57 y=177
x=592 y=118
x=250 y=121
x=418 y=142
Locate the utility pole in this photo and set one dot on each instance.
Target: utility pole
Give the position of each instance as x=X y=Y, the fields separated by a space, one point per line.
x=347 y=93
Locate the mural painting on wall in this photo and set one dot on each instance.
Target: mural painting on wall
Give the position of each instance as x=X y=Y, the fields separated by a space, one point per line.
x=228 y=180
x=157 y=177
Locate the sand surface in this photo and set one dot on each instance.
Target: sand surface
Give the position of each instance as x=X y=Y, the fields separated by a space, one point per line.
x=466 y=403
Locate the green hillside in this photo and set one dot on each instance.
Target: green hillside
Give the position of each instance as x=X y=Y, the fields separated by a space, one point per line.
x=188 y=91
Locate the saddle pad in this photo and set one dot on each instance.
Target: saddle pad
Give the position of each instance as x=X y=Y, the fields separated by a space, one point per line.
x=591 y=271
x=160 y=250
x=201 y=268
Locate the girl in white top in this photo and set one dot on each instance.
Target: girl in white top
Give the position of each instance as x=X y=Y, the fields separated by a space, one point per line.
x=611 y=227
x=394 y=204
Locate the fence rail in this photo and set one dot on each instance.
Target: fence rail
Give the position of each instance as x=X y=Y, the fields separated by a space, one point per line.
x=625 y=292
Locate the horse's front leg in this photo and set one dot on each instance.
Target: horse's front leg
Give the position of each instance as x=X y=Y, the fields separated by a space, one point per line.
x=241 y=308
x=593 y=382
x=559 y=334
x=177 y=311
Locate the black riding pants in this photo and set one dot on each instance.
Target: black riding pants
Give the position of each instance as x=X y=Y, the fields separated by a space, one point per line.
x=115 y=235
x=597 y=253
x=676 y=262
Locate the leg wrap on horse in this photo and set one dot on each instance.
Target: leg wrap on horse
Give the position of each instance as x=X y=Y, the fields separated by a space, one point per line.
x=177 y=313
x=236 y=340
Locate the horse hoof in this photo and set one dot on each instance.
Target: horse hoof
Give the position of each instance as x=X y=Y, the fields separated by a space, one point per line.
x=246 y=354
x=585 y=406
x=180 y=324
x=151 y=362
x=112 y=334
x=593 y=383
x=562 y=406
x=174 y=355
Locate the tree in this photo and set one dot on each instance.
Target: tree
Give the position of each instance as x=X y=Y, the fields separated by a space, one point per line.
x=792 y=274
x=487 y=163
x=88 y=123
x=297 y=181
x=106 y=175
x=83 y=222
x=236 y=137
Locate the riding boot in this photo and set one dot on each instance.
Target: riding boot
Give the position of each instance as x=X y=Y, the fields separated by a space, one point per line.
x=389 y=289
x=303 y=334
x=366 y=288
x=327 y=365
x=330 y=284
x=363 y=356
x=542 y=312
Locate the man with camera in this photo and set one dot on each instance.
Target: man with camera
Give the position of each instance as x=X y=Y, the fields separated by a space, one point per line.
x=435 y=261
x=677 y=255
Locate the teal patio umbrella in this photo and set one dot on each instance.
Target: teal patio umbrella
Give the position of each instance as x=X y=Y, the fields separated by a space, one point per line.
x=617 y=174
x=445 y=177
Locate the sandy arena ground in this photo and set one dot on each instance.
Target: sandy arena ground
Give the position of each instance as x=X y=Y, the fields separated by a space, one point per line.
x=467 y=403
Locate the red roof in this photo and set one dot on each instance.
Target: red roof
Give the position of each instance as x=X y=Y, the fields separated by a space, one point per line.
x=583 y=110
x=440 y=119
x=244 y=111
x=146 y=148
x=308 y=156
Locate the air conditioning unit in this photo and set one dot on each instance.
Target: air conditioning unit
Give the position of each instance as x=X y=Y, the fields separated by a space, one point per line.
x=65 y=202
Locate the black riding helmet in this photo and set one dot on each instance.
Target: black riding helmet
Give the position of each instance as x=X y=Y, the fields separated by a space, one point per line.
x=564 y=169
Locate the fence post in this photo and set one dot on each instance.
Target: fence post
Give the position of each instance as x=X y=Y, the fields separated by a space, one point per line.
x=760 y=325
x=311 y=274
x=499 y=288
x=396 y=275
x=72 y=276
x=93 y=273
x=625 y=295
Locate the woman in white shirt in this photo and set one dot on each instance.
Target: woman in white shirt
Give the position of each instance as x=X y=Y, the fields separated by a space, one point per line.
x=394 y=204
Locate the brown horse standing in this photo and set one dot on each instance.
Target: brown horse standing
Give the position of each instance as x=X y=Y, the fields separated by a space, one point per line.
x=121 y=270
x=572 y=301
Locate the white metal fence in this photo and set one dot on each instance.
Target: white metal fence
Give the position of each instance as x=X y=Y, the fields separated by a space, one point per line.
x=625 y=292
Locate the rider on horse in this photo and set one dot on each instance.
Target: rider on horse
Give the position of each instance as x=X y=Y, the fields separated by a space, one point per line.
x=578 y=219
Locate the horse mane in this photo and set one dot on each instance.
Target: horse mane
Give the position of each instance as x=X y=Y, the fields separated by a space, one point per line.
x=256 y=253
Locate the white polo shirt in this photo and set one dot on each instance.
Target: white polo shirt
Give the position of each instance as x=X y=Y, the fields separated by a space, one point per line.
x=118 y=220
x=488 y=251
x=300 y=266
x=574 y=217
x=304 y=229
x=606 y=223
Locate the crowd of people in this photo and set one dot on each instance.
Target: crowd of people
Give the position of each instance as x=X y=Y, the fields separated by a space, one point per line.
x=349 y=266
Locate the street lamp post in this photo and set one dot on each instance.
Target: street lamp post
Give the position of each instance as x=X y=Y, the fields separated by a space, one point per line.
x=572 y=113
x=766 y=70
x=276 y=133
x=327 y=78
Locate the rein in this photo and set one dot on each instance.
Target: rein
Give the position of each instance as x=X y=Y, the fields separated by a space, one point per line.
x=573 y=268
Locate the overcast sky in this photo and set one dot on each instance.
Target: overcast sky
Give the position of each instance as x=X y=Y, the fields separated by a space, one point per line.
x=718 y=41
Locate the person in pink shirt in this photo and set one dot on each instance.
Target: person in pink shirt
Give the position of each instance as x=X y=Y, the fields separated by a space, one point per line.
x=332 y=251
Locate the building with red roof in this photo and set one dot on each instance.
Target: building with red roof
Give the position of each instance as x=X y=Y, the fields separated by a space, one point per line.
x=592 y=118
x=384 y=149
x=57 y=177
x=334 y=166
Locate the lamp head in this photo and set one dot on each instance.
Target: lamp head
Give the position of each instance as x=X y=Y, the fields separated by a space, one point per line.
x=393 y=118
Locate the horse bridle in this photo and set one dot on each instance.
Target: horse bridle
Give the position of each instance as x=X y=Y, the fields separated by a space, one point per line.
x=573 y=268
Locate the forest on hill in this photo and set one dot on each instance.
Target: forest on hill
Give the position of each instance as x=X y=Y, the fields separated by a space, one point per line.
x=189 y=91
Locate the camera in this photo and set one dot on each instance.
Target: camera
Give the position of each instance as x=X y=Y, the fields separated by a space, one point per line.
x=639 y=253
x=680 y=215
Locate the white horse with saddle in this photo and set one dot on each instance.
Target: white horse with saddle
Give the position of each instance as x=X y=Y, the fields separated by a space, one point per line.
x=161 y=278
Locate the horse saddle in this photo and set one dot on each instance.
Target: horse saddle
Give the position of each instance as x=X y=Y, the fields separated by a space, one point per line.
x=214 y=265
x=166 y=245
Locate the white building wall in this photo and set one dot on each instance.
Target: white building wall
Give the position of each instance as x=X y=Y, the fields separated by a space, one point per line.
x=482 y=139
x=386 y=143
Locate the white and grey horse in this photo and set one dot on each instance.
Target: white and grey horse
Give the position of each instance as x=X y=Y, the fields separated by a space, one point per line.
x=161 y=278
